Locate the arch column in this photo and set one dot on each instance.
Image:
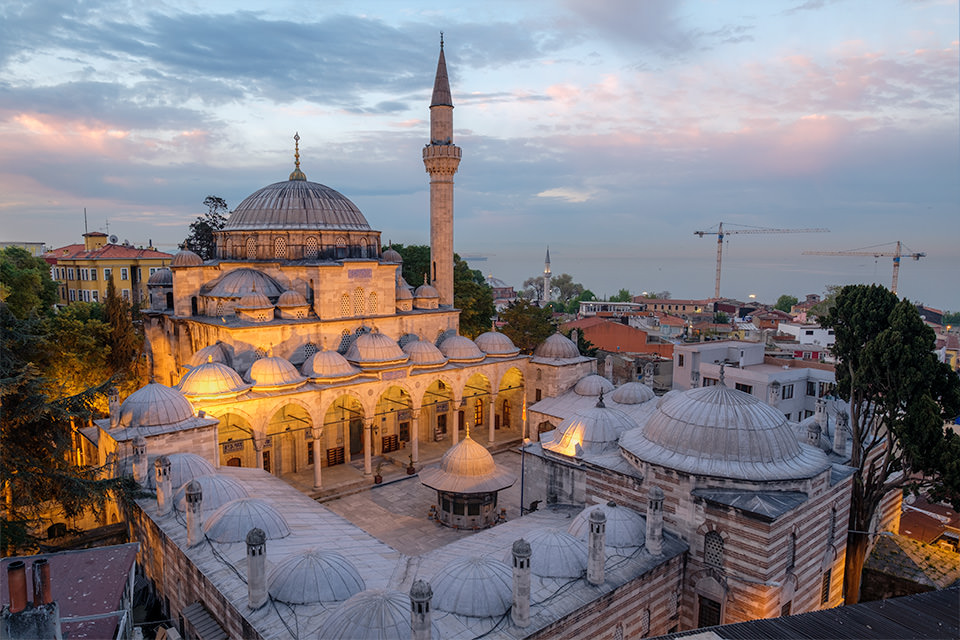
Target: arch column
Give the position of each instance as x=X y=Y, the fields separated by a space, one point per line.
x=455 y=422
x=415 y=434
x=367 y=446
x=491 y=420
x=317 y=448
x=259 y=440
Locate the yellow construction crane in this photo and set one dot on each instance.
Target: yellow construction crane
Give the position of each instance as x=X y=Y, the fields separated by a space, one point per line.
x=720 y=232
x=896 y=254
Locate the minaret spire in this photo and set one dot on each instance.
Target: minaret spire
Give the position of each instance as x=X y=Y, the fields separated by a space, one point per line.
x=441 y=158
x=546 y=278
x=297 y=174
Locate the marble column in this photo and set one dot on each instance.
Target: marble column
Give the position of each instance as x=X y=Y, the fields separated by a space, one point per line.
x=491 y=418
x=367 y=446
x=415 y=434
x=317 y=445
x=455 y=422
x=259 y=441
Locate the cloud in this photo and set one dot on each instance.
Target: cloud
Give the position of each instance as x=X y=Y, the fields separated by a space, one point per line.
x=567 y=194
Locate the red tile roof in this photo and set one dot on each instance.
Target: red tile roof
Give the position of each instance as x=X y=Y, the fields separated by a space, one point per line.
x=106 y=252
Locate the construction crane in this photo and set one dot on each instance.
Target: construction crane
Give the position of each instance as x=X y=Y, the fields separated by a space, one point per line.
x=721 y=232
x=896 y=254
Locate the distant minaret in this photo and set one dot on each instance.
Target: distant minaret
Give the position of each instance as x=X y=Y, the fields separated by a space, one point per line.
x=546 y=279
x=441 y=158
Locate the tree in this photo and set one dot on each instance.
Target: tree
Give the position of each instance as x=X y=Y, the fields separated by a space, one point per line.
x=124 y=340
x=785 y=303
x=474 y=297
x=951 y=317
x=533 y=288
x=566 y=288
x=900 y=396
x=73 y=352
x=584 y=346
x=25 y=283
x=36 y=437
x=721 y=318
x=416 y=262
x=623 y=295
x=527 y=325
x=201 y=240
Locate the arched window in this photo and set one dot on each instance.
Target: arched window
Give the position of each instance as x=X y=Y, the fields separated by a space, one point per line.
x=363 y=247
x=312 y=250
x=359 y=302
x=713 y=549
x=478 y=412
x=374 y=303
x=280 y=248
x=833 y=525
x=251 y=248
x=345 y=305
x=341 y=247
x=792 y=552
x=309 y=349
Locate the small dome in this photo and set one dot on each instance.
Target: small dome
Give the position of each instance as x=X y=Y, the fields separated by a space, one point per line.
x=467 y=467
x=479 y=587
x=632 y=393
x=254 y=300
x=328 y=364
x=162 y=277
x=593 y=385
x=291 y=298
x=186 y=258
x=314 y=576
x=234 y=284
x=625 y=527
x=212 y=379
x=403 y=293
x=379 y=614
x=461 y=349
x=392 y=256
x=722 y=432
x=232 y=521
x=375 y=348
x=556 y=554
x=426 y=291
x=214 y=352
x=154 y=405
x=273 y=372
x=296 y=204
x=494 y=343
x=596 y=430
x=557 y=347
x=217 y=491
x=424 y=354
x=185 y=467
x=668 y=394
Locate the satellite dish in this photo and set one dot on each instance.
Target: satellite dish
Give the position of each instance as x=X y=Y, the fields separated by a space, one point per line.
x=114 y=239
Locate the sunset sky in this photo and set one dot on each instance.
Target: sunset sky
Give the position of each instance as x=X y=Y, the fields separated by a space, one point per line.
x=609 y=129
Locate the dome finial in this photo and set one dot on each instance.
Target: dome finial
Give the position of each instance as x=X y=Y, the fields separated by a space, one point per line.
x=600 y=404
x=722 y=365
x=297 y=174
x=441 y=41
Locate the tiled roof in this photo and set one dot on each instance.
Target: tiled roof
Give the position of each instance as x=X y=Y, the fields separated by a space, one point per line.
x=106 y=252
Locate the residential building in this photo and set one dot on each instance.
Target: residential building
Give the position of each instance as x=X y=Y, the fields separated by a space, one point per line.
x=36 y=249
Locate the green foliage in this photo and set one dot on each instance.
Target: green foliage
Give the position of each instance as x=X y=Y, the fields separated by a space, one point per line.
x=562 y=288
x=474 y=297
x=25 y=283
x=125 y=342
x=822 y=308
x=416 y=262
x=527 y=325
x=900 y=396
x=721 y=318
x=574 y=305
x=951 y=317
x=584 y=346
x=785 y=302
x=622 y=296
x=201 y=240
x=36 y=438
x=75 y=351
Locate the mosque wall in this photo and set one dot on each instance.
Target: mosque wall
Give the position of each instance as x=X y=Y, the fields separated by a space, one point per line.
x=646 y=606
x=604 y=485
x=550 y=482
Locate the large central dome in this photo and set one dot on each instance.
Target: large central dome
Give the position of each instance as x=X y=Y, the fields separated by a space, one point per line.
x=296 y=204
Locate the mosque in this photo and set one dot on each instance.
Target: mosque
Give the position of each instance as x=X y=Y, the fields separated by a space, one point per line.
x=300 y=346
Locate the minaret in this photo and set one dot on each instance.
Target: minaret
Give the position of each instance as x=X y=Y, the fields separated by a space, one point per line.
x=546 y=279
x=441 y=158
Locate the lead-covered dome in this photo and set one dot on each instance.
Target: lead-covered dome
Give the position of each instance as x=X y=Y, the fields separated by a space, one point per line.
x=596 y=430
x=556 y=554
x=212 y=379
x=494 y=343
x=162 y=277
x=722 y=432
x=625 y=527
x=154 y=405
x=217 y=490
x=374 y=348
x=314 y=576
x=186 y=258
x=383 y=614
x=557 y=347
x=328 y=364
x=424 y=354
x=461 y=349
x=232 y=521
x=467 y=467
x=296 y=204
x=632 y=393
x=274 y=373
x=185 y=467
x=479 y=587
x=593 y=385
x=291 y=298
x=236 y=283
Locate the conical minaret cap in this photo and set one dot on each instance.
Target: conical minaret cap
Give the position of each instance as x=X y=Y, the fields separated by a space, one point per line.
x=441 y=84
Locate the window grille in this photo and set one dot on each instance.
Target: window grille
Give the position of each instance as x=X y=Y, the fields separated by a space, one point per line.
x=359 y=302
x=280 y=248
x=825 y=588
x=309 y=349
x=374 y=303
x=260 y=353
x=341 y=247
x=251 y=249
x=713 y=549
x=345 y=305
x=312 y=250
x=345 y=339
x=645 y=622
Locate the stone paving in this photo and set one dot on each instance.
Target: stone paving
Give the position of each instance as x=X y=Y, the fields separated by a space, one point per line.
x=395 y=512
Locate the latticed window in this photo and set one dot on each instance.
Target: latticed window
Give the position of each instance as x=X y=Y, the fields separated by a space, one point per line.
x=713 y=549
x=280 y=248
x=251 y=249
x=359 y=302
x=825 y=588
x=792 y=552
x=645 y=622
x=341 y=247
x=374 y=303
x=345 y=305
x=260 y=353
x=345 y=339
x=312 y=250
x=219 y=308
x=309 y=349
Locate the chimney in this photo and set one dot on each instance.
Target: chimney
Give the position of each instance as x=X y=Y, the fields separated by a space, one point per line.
x=813 y=434
x=164 y=487
x=42 y=591
x=821 y=414
x=140 y=461
x=773 y=395
x=17 y=583
x=194 y=498
x=574 y=337
x=113 y=404
x=840 y=434
x=420 y=595
x=520 y=612
x=256 y=568
x=608 y=368
x=596 y=552
x=654 y=537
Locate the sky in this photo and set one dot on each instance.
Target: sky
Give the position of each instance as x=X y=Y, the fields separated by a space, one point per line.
x=610 y=130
